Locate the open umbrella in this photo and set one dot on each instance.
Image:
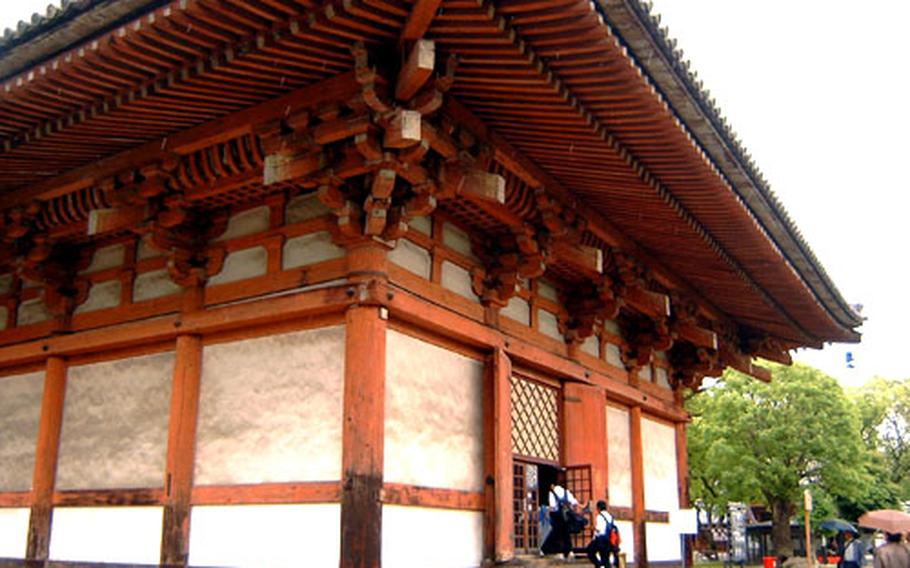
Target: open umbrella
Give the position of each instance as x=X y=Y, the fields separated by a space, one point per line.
x=888 y=520
x=837 y=525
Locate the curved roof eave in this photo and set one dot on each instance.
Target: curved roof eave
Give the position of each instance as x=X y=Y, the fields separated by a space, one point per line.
x=649 y=45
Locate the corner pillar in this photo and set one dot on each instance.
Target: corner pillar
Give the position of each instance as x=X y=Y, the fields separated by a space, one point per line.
x=364 y=415
x=45 y=473
x=181 y=444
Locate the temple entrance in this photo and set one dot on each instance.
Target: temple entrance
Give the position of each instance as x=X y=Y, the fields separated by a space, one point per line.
x=531 y=489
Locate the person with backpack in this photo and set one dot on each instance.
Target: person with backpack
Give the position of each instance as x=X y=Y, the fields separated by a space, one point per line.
x=605 y=541
x=561 y=506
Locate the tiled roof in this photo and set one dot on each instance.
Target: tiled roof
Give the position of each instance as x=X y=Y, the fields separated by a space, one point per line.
x=680 y=84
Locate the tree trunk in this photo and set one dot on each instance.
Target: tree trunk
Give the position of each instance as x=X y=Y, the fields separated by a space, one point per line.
x=781 y=537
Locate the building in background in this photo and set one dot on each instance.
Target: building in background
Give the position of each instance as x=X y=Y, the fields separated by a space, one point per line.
x=348 y=283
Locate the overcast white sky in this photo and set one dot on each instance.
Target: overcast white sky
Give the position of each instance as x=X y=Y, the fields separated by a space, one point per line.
x=818 y=92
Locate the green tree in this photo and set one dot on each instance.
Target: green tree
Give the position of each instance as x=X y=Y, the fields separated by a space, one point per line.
x=765 y=442
x=884 y=409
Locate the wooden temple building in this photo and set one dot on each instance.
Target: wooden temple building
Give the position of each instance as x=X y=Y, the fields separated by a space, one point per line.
x=347 y=283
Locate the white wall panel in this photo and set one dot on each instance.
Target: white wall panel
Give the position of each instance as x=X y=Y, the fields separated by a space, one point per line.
x=304 y=207
x=434 y=416
x=627 y=539
x=619 y=457
x=100 y=296
x=13 y=532
x=457 y=240
x=548 y=324
x=412 y=257
x=107 y=257
x=20 y=411
x=115 y=420
x=242 y=264
x=458 y=280
x=6 y=283
x=153 y=284
x=663 y=542
x=33 y=311
x=110 y=534
x=271 y=409
x=310 y=249
x=249 y=222
x=266 y=536
x=417 y=537
x=658 y=441
x=517 y=309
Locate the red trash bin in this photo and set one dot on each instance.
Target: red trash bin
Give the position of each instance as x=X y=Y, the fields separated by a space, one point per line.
x=769 y=561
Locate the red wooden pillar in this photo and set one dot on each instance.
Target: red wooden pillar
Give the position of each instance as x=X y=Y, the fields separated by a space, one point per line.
x=181 y=443
x=638 y=487
x=49 y=427
x=499 y=544
x=585 y=421
x=364 y=416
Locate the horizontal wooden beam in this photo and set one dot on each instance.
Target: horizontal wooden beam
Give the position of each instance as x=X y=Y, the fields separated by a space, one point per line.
x=698 y=336
x=416 y=70
x=268 y=493
x=236 y=316
x=108 y=497
x=649 y=303
x=340 y=87
x=432 y=497
x=15 y=499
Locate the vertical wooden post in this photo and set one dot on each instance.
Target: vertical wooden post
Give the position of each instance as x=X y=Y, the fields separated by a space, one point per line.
x=363 y=437
x=585 y=419
x=638 y=487
x=49 y=427
x=499 y=544
x=181 y=442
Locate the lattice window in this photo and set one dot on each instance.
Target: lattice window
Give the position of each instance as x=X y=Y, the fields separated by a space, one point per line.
x=535 y=429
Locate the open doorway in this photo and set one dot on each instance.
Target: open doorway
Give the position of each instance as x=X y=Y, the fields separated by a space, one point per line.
x=532 y=483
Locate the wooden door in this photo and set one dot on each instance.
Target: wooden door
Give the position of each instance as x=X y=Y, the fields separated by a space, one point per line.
x=526 y=507
x=578 y=481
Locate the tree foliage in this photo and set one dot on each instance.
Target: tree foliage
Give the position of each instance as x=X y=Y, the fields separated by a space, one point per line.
x=765 y=442
x=883 y=407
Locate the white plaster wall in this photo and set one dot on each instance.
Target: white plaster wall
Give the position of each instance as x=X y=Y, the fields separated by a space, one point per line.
x=242 y=264
x=33 y=311
x=457 y=240
x=663 y=542
x=4 y=316
x=644 y=373
x=13 y=532
x=249 y=222
x=517 y=309
x=612 y=327
x=548 y=324
x=153 y=284
x=271 y=409
x=115 y=419
x=310 y=249
x=547 y=290
x=627 y=539
x=145 y=249
x=100 y=296
x=663 y=378
x=591 y=346
x=458 y=280
x=303 y=208
x=107 y=257
x=417 y=537
x=20 y=412
x=434 y=416
x=658 y=441
x=619 y=457
x=422 y=225
x=614 y=355
x=266 y=536
x=412 y=257
x=108 y=534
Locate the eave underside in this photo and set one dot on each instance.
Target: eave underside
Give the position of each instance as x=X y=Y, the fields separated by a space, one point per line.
x=549 y=78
